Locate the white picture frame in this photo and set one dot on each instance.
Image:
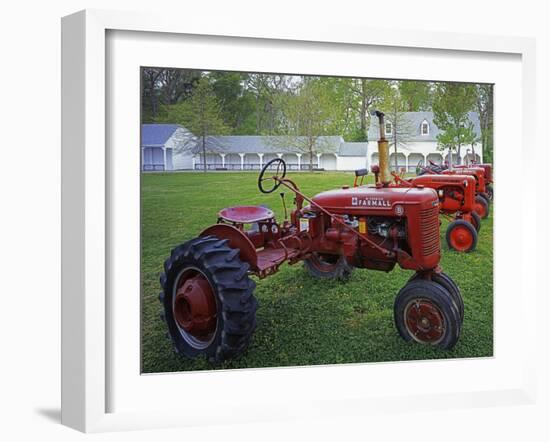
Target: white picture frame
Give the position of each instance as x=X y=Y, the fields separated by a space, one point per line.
x=87 y=210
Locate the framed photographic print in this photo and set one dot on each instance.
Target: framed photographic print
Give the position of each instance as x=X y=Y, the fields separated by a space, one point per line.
x=288 y=223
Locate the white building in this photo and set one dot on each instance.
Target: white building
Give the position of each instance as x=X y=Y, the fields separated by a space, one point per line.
x=422 y=143
x=172 y=147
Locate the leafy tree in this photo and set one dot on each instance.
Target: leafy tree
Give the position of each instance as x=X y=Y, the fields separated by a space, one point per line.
x=200 y=114
x=369 y=93
x=416 y=95
x=451 y=106
x=394 y=107
x=452 y=137
x=307 y=116
x=162 y=86
x=484 y=107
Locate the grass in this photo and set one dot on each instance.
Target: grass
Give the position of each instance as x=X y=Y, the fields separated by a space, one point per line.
x=301 y=321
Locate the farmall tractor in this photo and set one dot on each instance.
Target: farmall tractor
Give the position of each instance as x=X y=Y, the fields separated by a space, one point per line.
x=482 y=202
x=482 y=198
x=456 y=195
x=487 y=175
x=207 y=290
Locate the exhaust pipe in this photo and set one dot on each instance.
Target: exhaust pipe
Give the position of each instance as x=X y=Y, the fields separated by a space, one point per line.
x=383 y=151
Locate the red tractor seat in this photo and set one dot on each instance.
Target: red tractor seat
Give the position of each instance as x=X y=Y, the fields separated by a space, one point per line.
x=245 y=214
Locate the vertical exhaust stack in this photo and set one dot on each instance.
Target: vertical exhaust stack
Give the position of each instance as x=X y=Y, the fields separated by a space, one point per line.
x=383 y=151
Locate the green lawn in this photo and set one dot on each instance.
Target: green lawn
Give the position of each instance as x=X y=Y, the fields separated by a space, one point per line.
x=301 y=321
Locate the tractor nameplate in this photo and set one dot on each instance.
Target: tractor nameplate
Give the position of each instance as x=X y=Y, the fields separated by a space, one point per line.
x=370 y=202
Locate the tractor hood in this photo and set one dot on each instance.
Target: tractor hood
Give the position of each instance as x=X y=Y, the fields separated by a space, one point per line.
x=367 y=197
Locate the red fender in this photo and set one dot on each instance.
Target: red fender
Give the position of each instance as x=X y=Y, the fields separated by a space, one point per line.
x=237 y=240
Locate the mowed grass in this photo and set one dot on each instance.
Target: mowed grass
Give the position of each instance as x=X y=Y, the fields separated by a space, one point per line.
x=301 y=320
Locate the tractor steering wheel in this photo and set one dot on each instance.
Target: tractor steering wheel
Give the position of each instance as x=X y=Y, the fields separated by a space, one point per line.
x=280 y=173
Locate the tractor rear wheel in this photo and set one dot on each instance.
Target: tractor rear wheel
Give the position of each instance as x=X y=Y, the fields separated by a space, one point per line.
x=425 y=312
x=207 y=299
x=476 y=221
x=322 y=265
x=461 y=236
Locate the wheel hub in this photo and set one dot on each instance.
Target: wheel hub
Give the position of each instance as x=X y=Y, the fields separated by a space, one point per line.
x=195 y=306
x=424 y=321
x=461 y=238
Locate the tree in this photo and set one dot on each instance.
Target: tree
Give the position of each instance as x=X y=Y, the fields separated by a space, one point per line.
x=452 y=138
x=307 y=117
x=369 y=93
x=402 y=130
x=162 y=87
x=484 y=107
x=451 y=106
x=416 y=95
x=200 y=114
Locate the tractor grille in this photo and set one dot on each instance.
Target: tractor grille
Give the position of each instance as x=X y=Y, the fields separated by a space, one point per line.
x=429 y=230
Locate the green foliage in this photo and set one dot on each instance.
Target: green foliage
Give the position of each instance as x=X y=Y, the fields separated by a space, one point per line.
x=259 y=104
x=484 y=107
x=395 y=107
x=451 y=105
x=301 y=320
x=416 y=95
x=307 y=115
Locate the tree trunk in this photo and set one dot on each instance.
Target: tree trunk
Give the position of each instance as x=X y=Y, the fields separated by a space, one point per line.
x=204 y=153
x=363 y=110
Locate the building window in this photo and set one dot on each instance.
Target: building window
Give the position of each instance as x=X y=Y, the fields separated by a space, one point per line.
x=389 y=129
x=425 y=128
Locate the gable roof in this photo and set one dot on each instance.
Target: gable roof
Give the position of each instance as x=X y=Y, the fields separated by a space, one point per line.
x=262 y=144
x=354 y=149
x=415 y=120
x=156 y=135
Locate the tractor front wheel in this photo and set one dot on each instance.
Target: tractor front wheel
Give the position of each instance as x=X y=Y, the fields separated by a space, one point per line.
x=321 y=265
x=461 y=236
x=489 y=192
x=481 y=206
x=448 y=284
x=425 y=312
x=207 y=299
x=476 y=221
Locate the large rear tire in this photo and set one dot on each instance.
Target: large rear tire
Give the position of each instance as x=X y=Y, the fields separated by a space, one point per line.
x=328 y=266
x=207 y=299
x=461 y=236
x=425 y=312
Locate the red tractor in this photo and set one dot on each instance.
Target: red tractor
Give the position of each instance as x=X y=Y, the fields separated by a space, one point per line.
x=482 y=198
x=456 y=201
x=487 y=175
x=482 y=201
x=207 y=290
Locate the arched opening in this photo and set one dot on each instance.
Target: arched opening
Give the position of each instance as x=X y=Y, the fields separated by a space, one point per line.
x=401 y=161
x=435 y=157
x=415 y=160
x=374 y=158
x=305 y=162
x=233 y=161
x=251 y=161
x=291 y=160
x=472 y=158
